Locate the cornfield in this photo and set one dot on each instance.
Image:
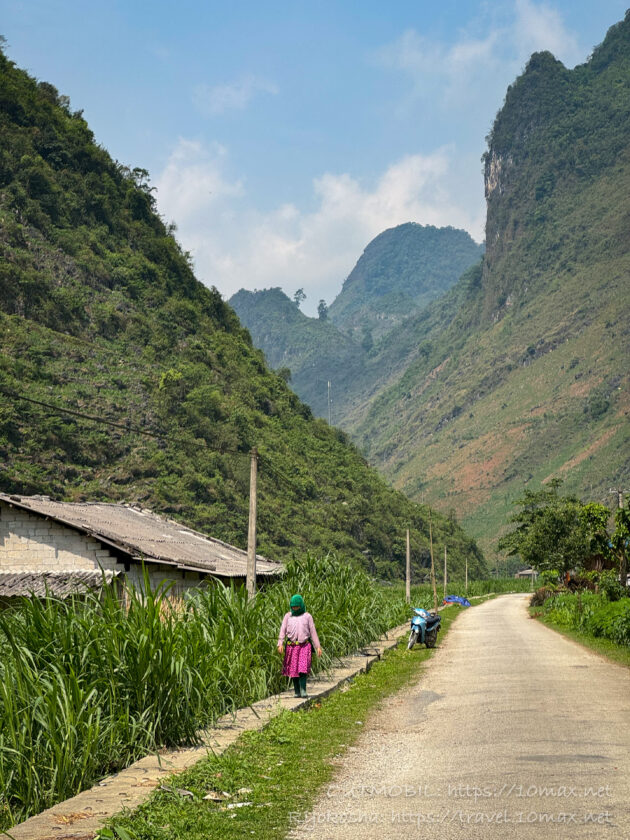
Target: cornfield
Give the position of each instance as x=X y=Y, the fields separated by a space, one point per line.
x=90 y=684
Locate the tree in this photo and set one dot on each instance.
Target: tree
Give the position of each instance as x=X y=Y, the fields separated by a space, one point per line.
x=299 y=297
x=551 y=531
x=284 y=373
x=322 y=310
x=620 y=542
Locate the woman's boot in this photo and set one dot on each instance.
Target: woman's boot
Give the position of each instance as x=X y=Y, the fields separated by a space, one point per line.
x=296 y=686
x=303 y=685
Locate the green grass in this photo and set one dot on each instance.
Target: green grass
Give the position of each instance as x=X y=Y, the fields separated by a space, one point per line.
x=604 y=647
x=279 y=770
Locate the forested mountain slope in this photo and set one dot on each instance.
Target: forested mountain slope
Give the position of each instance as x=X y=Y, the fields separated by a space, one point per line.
x=314 y=350
x=521 y=372
x=101 y=317
x=401 y=271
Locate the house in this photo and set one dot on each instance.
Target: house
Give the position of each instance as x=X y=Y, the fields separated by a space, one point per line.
x=532 y=574
x=63 y=547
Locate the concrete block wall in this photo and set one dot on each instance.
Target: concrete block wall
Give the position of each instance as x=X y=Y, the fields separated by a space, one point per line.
x=182 y=581
x=31 y=543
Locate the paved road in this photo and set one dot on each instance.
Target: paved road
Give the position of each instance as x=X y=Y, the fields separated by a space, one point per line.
x=511 y=732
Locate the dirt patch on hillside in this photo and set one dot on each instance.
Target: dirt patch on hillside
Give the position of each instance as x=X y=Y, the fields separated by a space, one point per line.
x=480 y=464
x=583 y=387
x=582 y=456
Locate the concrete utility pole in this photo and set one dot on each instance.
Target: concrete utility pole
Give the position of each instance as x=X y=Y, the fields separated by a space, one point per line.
x=329 y=411
x=619 y=493
x=445 y=573
x=432 y=563
x=408 y=572
x=623 y=565
x=251 y=534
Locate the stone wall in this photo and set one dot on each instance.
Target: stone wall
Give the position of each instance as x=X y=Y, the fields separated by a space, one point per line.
x=32 y=543
x=29 y=543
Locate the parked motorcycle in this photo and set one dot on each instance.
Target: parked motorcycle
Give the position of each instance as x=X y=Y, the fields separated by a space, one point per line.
x=424 y=628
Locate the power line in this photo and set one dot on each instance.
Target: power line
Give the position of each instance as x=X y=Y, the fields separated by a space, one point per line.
x=126 y=427
x=275 y=471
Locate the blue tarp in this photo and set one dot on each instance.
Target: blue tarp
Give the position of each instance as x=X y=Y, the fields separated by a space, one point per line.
x=455 y=599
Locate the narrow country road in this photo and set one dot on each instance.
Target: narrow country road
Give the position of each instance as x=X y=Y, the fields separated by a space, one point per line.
x=511 y=732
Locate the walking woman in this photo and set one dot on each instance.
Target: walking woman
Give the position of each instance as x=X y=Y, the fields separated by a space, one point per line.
x=299 y=630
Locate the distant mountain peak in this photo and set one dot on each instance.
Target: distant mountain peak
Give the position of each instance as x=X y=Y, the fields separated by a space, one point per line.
x=400 y=272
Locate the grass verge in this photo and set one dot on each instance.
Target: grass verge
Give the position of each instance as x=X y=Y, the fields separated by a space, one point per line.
x=276 y=773
x=605 y=647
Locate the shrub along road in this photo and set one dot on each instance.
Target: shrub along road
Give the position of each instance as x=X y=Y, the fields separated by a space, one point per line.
x=513 y=732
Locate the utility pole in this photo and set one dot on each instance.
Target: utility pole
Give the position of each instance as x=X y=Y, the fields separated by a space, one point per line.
x=619 y=493
x=329 y=411
x=408 y=572
x=445 y=572
x=251 y=533
x=623 y=564
x=432 y=563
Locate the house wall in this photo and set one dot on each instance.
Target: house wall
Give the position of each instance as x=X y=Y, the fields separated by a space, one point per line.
x=182 y=581
x=31 y=543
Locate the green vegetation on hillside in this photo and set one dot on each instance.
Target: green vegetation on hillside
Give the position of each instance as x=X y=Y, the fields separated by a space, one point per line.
x=313 y=349
x=100 y=315
x=519 y=373
x=400 y=272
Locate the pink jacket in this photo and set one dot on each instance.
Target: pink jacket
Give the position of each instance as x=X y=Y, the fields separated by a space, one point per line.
x=298 y=628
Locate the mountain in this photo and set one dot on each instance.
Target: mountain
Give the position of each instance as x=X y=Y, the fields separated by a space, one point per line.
x=122 y=378
x=521 y=371
x=313 y=350
x=399 y=273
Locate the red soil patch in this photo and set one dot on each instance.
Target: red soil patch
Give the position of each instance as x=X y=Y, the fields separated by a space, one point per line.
x=584 y=454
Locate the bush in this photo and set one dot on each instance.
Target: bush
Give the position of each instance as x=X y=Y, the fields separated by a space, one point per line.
x=541 y=595
x=591 y=613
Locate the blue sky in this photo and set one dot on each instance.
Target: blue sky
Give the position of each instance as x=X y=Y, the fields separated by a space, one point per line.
x=283 y=136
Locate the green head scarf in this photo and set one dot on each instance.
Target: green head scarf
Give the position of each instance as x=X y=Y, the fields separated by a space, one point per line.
x=297 y=605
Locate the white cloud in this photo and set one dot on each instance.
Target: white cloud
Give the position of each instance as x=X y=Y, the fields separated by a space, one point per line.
x=193 y=182
x=213 y=100
x=430 y=63
x=235 y=246
x=539 y=27
x=472 y=70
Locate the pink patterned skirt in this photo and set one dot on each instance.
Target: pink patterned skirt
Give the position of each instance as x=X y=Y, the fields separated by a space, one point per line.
x=297 y=660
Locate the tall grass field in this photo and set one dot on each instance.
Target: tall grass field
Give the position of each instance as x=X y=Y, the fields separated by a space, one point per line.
x=88 y=685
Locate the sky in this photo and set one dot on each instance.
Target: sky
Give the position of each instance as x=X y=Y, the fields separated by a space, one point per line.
x=281 y=137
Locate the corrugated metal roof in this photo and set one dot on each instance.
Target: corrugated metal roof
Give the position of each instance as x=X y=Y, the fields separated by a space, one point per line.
x=143 y=535
x=60 y=584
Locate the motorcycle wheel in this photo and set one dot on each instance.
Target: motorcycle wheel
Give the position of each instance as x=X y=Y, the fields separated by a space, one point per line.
x=430 y=639
x=413 y=638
